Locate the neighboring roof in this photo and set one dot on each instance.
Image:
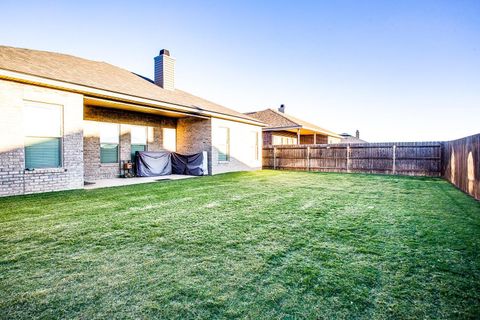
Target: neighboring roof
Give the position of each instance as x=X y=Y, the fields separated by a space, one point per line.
x=348 y=138
x=278 y=120
x=101 y=75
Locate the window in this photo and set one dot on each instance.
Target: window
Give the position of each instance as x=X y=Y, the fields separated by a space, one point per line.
x=109 y=139
x=43 y=135
x=138 y=140
x=283 y=140
x=276 y=140
x=223 y=144
x=170 y=139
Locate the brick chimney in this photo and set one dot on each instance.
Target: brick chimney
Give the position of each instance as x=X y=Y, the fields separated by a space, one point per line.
x=282 y=108
x=165 y=70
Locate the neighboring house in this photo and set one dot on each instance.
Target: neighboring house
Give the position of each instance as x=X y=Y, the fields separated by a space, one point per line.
x=66 y=120
x=285 y=129
x=348 y=138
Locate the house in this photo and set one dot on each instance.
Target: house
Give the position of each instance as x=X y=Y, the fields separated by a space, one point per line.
x=66 y=120
x=348 y=138
x=283 y=128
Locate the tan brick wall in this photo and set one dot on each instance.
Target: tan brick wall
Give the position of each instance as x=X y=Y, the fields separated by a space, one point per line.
x=194 y=135
x=93 y=116
x=13 y=177
x=242 y=147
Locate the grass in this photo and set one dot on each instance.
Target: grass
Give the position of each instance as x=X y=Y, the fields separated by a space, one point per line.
x=244 y=245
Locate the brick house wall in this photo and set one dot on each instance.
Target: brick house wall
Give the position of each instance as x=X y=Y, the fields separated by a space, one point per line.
x=243 y=156
x=94 y=116
x=80 y=151
x=13 y=177
x=194 y=135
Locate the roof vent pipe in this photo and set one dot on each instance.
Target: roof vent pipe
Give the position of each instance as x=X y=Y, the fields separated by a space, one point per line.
x=282 y=108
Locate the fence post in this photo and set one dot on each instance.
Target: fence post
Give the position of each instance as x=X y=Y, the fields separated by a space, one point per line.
x=348 y=158
x=274 y=158
x=394 y=158
x=308 y=158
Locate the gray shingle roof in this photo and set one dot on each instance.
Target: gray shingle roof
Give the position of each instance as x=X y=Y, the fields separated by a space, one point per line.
x=100 y=75
x=276 y=119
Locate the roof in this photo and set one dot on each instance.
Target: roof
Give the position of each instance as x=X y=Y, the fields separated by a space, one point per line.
x=278 y=120
x=348 y=138
x=101 y=75
x=352 y=139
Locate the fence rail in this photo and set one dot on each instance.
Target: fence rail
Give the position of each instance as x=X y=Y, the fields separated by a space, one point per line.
x=405 y=158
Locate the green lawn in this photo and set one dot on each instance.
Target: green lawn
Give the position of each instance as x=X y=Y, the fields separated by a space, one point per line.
x=244 y=245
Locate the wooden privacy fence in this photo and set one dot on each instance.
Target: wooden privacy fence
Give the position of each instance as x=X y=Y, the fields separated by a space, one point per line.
x=406 y=158
x=457 y=161
x=461 y=164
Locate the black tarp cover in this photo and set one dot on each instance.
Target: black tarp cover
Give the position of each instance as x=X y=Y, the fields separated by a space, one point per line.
x=150 y=164
x=191 y=165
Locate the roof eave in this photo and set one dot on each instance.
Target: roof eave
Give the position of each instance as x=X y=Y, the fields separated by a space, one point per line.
x=116 y=96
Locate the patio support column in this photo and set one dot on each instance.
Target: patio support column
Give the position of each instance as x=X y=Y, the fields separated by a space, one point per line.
x=298 y=136
x=315 y=138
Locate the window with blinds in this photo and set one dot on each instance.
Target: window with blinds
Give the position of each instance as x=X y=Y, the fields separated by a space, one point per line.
x=138 y=140
x=223 y=144
x=109 y=140
x=43 y=135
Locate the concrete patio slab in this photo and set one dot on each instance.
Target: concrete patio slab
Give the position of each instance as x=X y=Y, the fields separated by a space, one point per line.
x=117 y=182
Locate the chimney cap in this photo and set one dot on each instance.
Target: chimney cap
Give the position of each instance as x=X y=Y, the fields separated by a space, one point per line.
x=165 y=52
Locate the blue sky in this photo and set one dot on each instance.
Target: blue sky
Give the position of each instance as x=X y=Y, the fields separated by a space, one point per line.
x=395 y=70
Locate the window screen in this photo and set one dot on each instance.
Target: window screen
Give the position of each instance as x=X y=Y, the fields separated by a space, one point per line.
x=223 y=144
x=138 y=140
x=109 y=140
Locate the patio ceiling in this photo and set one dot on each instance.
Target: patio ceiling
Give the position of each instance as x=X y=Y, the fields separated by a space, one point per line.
x=106 y=103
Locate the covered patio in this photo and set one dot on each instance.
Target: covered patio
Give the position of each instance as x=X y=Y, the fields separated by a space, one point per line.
x=114 y=131
x=297 y=135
